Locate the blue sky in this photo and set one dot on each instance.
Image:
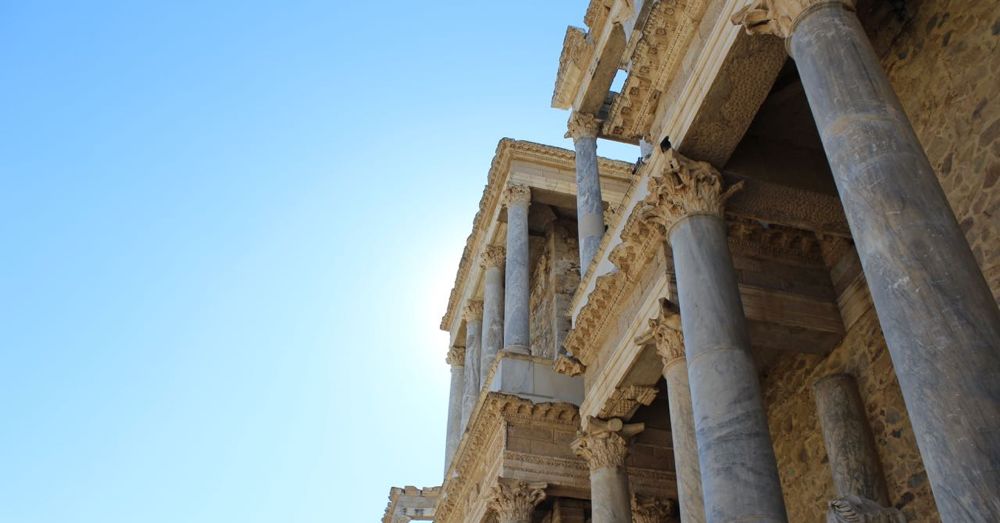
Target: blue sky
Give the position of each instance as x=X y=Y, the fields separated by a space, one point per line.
x=228 y=234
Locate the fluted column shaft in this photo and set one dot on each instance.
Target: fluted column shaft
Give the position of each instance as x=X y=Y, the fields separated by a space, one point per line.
x=670 y=347
x=605 y=445
x=517 y=293
x=583 y=129
x=738 y=468
x=456 y=359
x=938 y=315
x=473 y=341
x=493 y=300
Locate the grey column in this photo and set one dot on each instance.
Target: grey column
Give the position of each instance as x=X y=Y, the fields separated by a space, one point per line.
x=456 y=359
x=605 y=445
x=738 y=469
x=492 y=264
x=517 y=293
x=473 y=340
x=938 y=315
x=670 y=347
x=583 y=129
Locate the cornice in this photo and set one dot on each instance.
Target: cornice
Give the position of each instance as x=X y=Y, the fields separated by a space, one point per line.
x=574 y=59
x=507 y=150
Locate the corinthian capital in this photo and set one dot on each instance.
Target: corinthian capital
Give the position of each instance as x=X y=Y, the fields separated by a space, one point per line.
x=582 y=125
x=516 y=500
x=517 y=194
x=779 y=17
x=684 y=187
x=605 y=443
x=666 y=329
x=456 y=357
x=649 y=509
x=493 y=256
x=473 y=310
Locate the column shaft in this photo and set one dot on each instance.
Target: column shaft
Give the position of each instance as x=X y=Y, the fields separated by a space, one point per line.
x=493 y=305
x=589 y=205
x=456 y=359
x=689 y=495
x=610 y=501
x=605 y=445
x=516 y=334
x=738 y=468
x=939 y=318
x=473 y=340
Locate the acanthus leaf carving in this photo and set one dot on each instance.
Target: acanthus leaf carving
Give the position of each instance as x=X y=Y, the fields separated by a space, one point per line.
x=604 y=444
x=779 y=17
x=684 y=187
x=473 y=310
x=651 y=509
x=582 y=125
x=493 y=256
x=456 y=357
x=516 y=500
x=666 y=329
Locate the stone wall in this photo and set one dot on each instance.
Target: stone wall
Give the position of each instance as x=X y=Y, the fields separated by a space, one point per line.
x=943 y=58
x=554 y=279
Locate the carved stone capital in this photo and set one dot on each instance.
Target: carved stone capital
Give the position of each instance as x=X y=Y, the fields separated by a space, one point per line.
x=456 y=357
x=516 y=500
x=493 y=256
x=666 y=329
x=473 y=310
x=568 y=365
x=605 y=443
x=779 y=17
x=517 y=194
x=582 y=125
x=856 y=509
x=684 y=187
x=650 y=509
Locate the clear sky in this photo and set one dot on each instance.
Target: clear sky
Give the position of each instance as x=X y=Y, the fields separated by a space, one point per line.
x=229 y=230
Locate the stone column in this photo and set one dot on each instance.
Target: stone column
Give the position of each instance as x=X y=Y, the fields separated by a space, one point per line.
x=605 y=445
x=514 y=502
x=670 y=347
x=517 y=293
x=492 y=264
x=649 y=509
x=473 y=340
x=938 y=315
x=739 y=473
x=583 y=129
x=857 y=474
x=456 y=359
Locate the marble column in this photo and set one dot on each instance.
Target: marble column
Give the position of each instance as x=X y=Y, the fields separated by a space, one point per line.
x=739 y=473
x=670 y=346
x=649 y=509
x=857 y=473
x=583 y=129
x=492 y=263
x=940 y=320
x=517 y=293
x=473 y=340
x=514 y=502
x=456 y=359
x=604 y=444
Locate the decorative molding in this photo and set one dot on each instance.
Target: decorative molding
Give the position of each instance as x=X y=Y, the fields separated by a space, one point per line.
x=568 y=365
x=493 y=256
x=582 y=125
x=507 y=150
x=473 y=310
x=779 y=17
x=605 y=443
x=516 y=500
x=751 y=237
x=576 y=54
x=597 y=13
x=684 y=187
x=856 y=509
x=517 y=194
x=625 y=400
x=456 y=357
x=651 y=509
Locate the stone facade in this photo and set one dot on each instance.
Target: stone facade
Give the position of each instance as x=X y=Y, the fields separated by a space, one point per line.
x=774 y=309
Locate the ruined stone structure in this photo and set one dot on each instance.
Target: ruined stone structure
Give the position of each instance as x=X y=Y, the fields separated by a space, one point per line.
x=786 y=310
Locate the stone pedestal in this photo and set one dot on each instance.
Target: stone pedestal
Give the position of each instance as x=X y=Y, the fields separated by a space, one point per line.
x=938 y=315
x=738 y=469
x=670 y=347
x=473 y=340
x=517 y=293
x=492 y=263
x=583 y=129
x=456 y=359
x=514 y=502
x=605 y=445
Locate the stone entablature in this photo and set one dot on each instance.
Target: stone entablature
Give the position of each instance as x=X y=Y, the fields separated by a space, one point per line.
x=410 y=503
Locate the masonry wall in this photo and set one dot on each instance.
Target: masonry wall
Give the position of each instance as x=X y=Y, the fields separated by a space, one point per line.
x=943 y=57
